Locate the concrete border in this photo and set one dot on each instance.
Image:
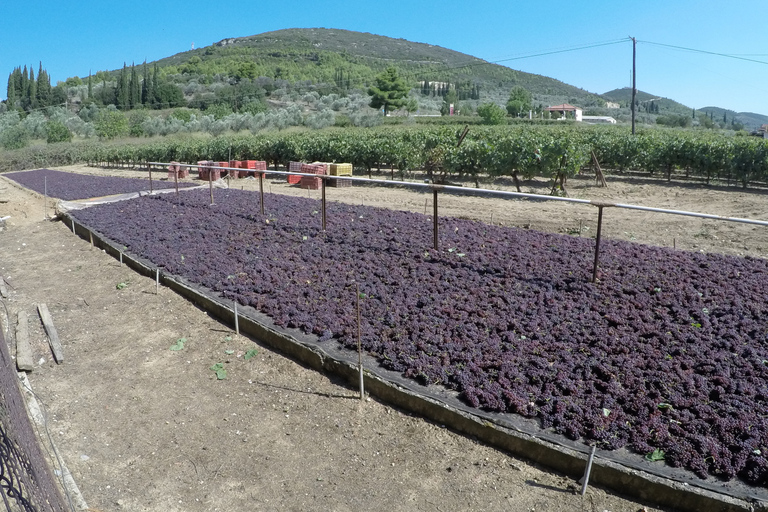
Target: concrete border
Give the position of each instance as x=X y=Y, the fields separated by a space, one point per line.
x=626 y=475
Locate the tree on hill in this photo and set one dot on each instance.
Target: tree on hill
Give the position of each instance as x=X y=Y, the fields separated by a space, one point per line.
x=390 y=91
x=451 y=98
x=519 y=101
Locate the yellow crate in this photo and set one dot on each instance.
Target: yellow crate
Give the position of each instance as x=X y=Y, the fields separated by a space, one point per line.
x=340 y=169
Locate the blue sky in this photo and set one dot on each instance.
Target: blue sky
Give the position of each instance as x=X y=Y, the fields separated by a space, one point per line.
x=71 y=38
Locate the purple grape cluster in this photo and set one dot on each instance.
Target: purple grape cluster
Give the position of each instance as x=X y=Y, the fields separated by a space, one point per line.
x=669 y=351
x=70 y=186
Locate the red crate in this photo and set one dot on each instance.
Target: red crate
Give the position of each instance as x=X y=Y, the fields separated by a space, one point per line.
x=294 y=167
x=173 y=170
x=315 y=168
x=204 y=168
x=310 y=182
x=252 y=165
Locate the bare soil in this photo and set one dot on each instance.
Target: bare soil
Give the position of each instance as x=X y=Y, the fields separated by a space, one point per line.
x=145 y=428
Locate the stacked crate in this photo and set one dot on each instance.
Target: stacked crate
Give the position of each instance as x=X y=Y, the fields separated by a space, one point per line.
x=234 y=164
x=294 y=167
x=339 y=170
x=176 y=171
x=252 y=166
x=311 y=182
x=221 y=171
x=204 y=169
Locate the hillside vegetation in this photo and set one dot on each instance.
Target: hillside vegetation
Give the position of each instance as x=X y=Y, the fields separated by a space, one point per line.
x=306 y=77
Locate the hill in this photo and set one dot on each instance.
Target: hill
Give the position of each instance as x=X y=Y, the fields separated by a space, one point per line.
x=344 y=59
x=749 y=119
x=666 y=106
x=623 y=96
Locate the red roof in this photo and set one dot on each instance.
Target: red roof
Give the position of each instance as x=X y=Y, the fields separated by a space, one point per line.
x=563 y=107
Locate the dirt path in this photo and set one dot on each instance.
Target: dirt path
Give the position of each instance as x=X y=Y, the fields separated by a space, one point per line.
x=145 y=428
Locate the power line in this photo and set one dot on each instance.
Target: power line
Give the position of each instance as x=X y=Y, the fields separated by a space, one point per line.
x=706 y=52
x=540 y=54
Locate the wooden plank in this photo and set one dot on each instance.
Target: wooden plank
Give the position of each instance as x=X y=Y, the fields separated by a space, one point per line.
x=24 y=360
x=53 y=336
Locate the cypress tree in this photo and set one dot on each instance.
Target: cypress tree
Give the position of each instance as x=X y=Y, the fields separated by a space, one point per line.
x=15 y=90
x=153 y=92
x=90 y=85
x=24 y=89
x=123 y=94
x=43 y=87
x=31 y=92
x=145 y=85
x=133 y=87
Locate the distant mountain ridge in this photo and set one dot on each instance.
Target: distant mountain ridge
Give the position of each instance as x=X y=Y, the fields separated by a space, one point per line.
x=623 y=96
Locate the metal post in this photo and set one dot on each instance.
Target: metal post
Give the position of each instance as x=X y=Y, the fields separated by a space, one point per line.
x=322 y=201
x=634 y=80
x=434 y=216
x=149 y=168
x=587 y=471
x=261 y=190
x=359 y=345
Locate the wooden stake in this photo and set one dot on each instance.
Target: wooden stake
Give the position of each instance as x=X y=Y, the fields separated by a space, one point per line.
x=157 y=281
x=24 y=359
x=434 y=220
x=53 y=336
x=261 y=191
x=322 y=200
x=210 y=183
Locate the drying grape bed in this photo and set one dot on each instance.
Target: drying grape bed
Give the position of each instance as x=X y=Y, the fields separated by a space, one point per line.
x=667 y=353
x=70 y=186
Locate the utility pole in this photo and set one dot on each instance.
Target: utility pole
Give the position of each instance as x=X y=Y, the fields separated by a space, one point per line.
x=634 y=80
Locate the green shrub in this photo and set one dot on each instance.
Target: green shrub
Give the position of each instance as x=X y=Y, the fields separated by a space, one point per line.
x=111 y=124
x=57 y=131
x=492 y=114
x=14 y=137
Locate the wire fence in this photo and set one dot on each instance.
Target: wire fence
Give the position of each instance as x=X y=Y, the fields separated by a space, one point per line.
x=26 y=481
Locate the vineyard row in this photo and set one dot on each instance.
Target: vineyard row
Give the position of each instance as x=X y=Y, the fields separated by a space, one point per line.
x=517 y=152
